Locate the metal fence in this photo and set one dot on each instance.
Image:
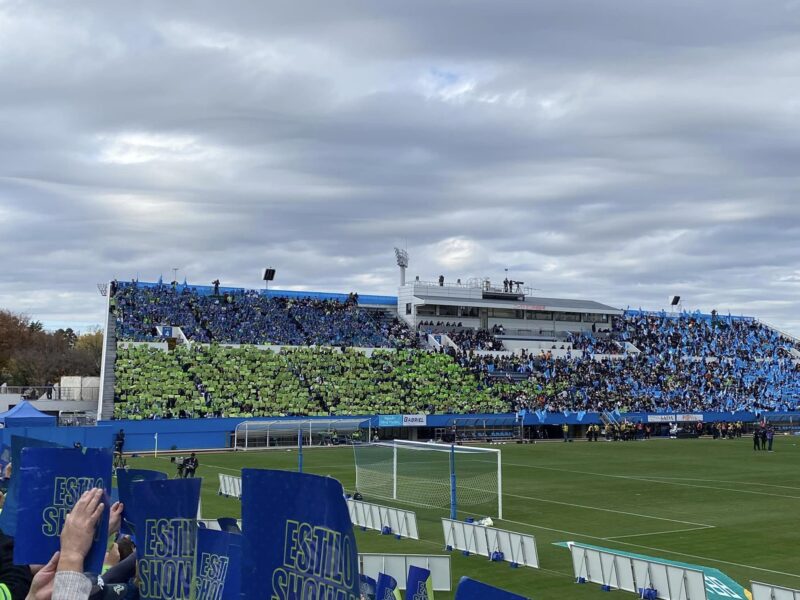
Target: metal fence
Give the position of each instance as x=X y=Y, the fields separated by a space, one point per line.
x=52 y=392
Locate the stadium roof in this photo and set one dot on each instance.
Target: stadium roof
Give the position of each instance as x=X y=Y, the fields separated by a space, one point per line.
x=530 y=303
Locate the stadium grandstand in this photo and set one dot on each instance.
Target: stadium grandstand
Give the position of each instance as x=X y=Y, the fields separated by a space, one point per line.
x=181 y=351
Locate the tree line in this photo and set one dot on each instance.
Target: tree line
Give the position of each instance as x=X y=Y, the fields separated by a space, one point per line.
x=30 y=356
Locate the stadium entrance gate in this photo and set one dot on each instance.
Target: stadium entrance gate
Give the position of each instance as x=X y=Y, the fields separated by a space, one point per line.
x=283 y=433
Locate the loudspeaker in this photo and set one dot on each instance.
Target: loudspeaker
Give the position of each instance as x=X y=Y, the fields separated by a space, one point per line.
x=674 y=300
x=269 y=274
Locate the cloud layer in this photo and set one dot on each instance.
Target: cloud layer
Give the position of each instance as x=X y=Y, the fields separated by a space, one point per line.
x=620 y=151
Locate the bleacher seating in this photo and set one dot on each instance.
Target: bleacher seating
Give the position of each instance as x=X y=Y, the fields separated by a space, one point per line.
x=250 y=317
x=246 y=381
x=683 y=362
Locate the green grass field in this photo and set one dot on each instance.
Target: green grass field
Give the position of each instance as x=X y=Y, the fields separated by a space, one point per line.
x=713 y=503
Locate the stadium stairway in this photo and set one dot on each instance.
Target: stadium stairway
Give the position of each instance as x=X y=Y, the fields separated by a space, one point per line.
x=106 y=408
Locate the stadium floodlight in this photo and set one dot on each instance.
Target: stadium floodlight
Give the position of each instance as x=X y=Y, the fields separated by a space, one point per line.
x=443 y=476
x=103 y=289
x=402 y=262
x=402 y=257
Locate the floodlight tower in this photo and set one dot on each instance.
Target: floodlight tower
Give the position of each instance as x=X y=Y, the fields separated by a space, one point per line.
x=402 y=262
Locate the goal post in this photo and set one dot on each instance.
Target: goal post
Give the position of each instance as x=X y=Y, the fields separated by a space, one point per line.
x=439 y=476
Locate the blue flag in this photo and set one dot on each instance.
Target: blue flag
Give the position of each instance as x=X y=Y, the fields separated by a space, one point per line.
x=368 y=586
x=298 y=539
x=218 y=565
x=469 y=589
x=419 y=585
x=166 y=532
x=126 y=478
x=8 y=517
x=386 y=588
x=52 y=480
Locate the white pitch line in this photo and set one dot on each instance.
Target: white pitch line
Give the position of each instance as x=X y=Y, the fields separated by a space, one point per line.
x=650 y=480
x=618 y=537
x=715 y=560
x=784 y=487
x=611 y=510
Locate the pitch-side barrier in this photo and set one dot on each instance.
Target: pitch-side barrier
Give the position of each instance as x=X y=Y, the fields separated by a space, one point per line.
x=494 y=544
x=766 y=591
x=397 y=565
x=401 y=523
x=620 y=571
x=230 y=486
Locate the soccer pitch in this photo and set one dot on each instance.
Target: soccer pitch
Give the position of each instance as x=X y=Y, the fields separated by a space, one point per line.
x=715 y=503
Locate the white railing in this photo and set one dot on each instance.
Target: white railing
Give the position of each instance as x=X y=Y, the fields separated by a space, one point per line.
x=396 y=565
x=766 y=591
x=401 y=523
x=635 y=574
x=471 y=538
x=230 y=486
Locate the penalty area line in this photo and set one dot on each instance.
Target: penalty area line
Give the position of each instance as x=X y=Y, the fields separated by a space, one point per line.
x=664 y=550
x=619 y=537
x=611 y=510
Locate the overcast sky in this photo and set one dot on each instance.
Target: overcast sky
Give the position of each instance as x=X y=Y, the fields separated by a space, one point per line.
x=617 y=151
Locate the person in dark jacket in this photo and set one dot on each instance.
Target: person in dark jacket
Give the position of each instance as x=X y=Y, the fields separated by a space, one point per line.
x=15 y=580
x=190 y=465
x=756 y=439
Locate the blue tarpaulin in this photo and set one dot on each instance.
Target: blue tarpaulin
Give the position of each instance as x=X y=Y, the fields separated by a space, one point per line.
x=25 y=415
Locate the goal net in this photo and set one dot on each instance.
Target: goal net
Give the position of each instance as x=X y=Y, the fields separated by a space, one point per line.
x=287 y=433
x=441 y=476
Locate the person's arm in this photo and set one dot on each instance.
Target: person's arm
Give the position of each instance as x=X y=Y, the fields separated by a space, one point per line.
x=76 y=539
x=79 y=528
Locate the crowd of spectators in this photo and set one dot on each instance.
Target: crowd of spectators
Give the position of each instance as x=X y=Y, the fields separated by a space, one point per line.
x=475 y=339
x=589 y=343
x=676 y=363
x=686 y=362
x=249 y=317
x=217 y=381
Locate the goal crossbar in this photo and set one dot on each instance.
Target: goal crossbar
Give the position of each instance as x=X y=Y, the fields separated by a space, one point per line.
x=455 y=476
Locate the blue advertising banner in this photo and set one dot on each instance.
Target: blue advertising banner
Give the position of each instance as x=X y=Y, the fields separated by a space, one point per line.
x=52 y=480
x=387 y=588
x=469 y=589
x=8 y=517
x=298 y=539
x=390 y=420
x=218 y=565
x=419 y=585
x=165 y=520
x=126 y=478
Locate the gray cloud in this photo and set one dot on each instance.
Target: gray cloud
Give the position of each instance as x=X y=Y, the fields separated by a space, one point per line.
x=621 y=151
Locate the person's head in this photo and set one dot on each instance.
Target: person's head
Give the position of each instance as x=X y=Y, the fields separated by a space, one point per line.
x=192 y=454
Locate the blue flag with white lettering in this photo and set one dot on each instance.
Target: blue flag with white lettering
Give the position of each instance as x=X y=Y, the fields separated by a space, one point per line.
x=387 y=588
x=368 y=587
x=52 y=480
x=8 y=517
x=126 y=478
x=419 y=585
x=166 y=533
x=469 y=589
x=218 y=565
x=298 y=539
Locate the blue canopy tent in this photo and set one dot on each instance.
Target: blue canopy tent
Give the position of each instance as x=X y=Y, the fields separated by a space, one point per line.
x=25 y=414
